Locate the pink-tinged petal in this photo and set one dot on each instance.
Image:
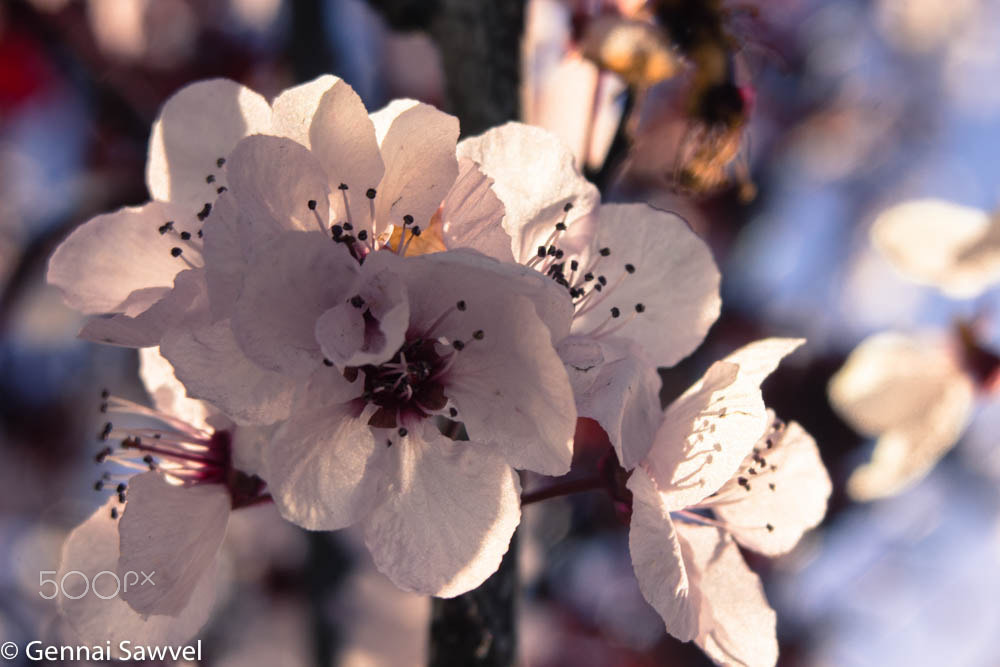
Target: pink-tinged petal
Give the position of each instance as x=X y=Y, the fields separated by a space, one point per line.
x=657 y=261
x=619 y=389
x=115 y=254
x=510 y=387
x=657 y=561
x=708 y=432
x=472 y=214
x=784 y=496
x=174 y=531
x=279 y=186
x=327 y=116
x=186 y=302
x=92 y=548
x=449 y=513
x=197 y=126
x=370 y=330
x=911 y=393
x=168 y=394
x=227 y=254
x=535 y=177
x=736 y=623
x=933 y=242
x=249 y=443
x=420 y=166
x=210 y=364
x=325 y=465
x=289 y=284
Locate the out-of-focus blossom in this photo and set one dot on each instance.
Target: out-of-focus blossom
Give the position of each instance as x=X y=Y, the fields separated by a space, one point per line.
x=719 y=449
x=914 y=395
x=934 y=242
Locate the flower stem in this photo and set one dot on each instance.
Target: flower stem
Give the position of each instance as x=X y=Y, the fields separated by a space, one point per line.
x=563 y=489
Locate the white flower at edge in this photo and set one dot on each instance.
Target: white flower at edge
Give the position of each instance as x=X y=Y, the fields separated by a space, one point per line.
x=643 y=287
x=935 y=242
x=718 y=449
x=168 y=521
x=913 y=394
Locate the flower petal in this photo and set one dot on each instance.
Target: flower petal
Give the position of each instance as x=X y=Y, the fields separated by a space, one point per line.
x=211 y=365
x=657 y=561
x=174 y=531
x=227 y=252
x=420 y=166
x=289 y=284
x=115 y=254
x=673 y=277
x=324 y=464
x=197 y=126
x=783 y=498
x=472 y=214
x=934 y=242
x=708 y=432
x=535 y=177
x=168 y=394
x=619 y=389
x=92 y=548
x=279 y=186
x=736 y=625
x=448 y=517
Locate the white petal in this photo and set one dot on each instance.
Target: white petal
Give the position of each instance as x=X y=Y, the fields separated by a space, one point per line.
x=115 y=254
x=227 y=252
x=211 y=365
x=168 y=394
x=657 y=561
x=513 y=370
x=708 y=432
x=789 y=492
x=274 y=180
x=736 y=624
x=198 y=125
x=675 y=280
x=910 y=392
x=934 y=242
x=92 y=548
x=324 y=465
x=448 y=517
x=174 y=531
x=372 y=333
x=327 y=116
x=619 y=389
x=535 y=177
x=420 y=166
x=249 y=443
x=289 y=284
x=186 y=302
x=472 y=214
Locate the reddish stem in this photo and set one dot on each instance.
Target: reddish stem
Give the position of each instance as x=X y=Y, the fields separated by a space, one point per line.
x=563 y=489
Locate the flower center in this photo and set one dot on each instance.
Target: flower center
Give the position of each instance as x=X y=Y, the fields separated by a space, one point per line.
x=408 y=387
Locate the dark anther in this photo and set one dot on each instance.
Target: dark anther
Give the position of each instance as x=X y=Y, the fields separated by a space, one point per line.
x=311 y=204
x=561 y=226
x=121 y=497
x=541 y=251
x=165 y=227
x=559 y=254
x=605 y=252
x=336 y=231
x=416 y=230
x=106 y=431
x=98 y=485
x=458 y=345
x=203 y=213
x=574 y=265
x=176 y=252
x=103 y=408
x=200 y=233
x=630 y=268
x=219 y=190
x=615 y=312
x=460 y=305
x=185 y=236
x=357 y=301
x=588 y=277
x=744 y=482
x=221 y=161
x=148 y=459
x=121 y=488
x=598 y=287
x=370 y=193
x=103 y=454
x=402 y=432
x=602 y=280
x=771 y=486
x=478 y=334
x=342 y=186
x=348 y=227
x=568 y=206
x=770 y=528
x=363 y=235
x=105 y=393
x=407 y=219
x=327 y=362
x=552 y=250
x=210 y=179
x=453 y=412
x=114 y=512
x=639 y=308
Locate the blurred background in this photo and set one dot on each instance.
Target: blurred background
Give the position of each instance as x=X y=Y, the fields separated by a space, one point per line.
x=779 y=129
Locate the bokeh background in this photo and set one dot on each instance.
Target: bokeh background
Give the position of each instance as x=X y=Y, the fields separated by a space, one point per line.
x=856 y=105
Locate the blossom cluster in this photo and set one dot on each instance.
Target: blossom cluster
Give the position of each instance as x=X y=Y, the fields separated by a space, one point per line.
x=368 y=322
